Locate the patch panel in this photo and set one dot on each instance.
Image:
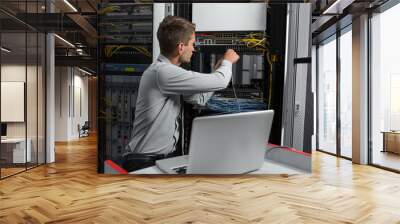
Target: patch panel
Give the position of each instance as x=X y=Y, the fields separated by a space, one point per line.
x=231 y=38
x=123 y=9
x=252 y=42
x=128 y=68
x=133 y=38
x=109 y=28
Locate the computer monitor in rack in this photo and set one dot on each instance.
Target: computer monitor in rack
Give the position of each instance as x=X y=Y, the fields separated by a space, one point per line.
x=3 y=129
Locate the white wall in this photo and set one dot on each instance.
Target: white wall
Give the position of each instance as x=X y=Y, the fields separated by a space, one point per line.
x=13 y=72
x=16 y=73
x=71 y=93
x=79 y=117
x=158 y=16
x=160 y=11
x=61 y=103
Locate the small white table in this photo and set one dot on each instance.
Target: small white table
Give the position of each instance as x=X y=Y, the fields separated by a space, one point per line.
x=18 y=151
x=268 y=167
x=277 y=160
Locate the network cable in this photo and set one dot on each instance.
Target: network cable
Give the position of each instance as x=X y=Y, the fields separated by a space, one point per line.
x=234 y=92
x=230 y=105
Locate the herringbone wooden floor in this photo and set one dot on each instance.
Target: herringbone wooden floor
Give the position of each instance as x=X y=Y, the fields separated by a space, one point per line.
x=70 y=191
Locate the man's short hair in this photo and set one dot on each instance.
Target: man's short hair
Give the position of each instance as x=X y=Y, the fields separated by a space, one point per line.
x=172 y=31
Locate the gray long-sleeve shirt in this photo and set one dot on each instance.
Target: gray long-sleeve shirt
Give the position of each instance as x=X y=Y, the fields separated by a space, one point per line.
x=156 y=126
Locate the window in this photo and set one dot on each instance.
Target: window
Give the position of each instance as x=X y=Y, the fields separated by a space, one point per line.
x=385 y=88
x=334 y=94
x=327 y=96
x=346 y=93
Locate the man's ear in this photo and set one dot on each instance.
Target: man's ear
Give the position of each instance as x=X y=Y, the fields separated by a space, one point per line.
x=180 y=48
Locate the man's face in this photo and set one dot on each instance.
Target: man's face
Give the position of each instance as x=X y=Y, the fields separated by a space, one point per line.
x=186 y=51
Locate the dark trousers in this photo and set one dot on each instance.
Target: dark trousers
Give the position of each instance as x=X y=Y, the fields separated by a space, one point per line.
x=135 y=161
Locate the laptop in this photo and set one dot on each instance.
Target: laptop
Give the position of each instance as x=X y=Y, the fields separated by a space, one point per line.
x=224 y=144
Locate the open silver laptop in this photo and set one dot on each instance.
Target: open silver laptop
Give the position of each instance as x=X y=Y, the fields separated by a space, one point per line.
x=224 y=144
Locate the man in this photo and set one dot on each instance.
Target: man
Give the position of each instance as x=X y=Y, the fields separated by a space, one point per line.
x=156 y=126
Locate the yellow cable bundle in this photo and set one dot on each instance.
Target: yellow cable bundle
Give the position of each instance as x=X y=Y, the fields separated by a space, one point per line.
x=112 y=49
x=108 y=51
x=142 y=50
x=109 y=9
x=115 y=49
x=259 y=42
x=255 y=40
x=255 y=43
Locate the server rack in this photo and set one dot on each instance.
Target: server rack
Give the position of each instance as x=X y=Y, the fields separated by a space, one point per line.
x=257 y=76
x=125 y=51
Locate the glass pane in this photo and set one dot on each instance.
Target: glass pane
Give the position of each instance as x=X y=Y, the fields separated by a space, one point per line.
x=31 y=97
x=346 y=94
x=327 y=97
x=13 y=87
x=41 y=99
x=385 y=86
x=32 y=85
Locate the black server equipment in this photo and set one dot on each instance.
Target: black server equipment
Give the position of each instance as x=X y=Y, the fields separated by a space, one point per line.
x=249 y=85
x=125 y=51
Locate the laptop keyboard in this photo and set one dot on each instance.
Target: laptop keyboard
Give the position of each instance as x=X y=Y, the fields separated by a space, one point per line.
x=180 y=170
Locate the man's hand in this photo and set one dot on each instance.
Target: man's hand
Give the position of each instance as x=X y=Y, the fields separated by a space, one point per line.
x=231 y=56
